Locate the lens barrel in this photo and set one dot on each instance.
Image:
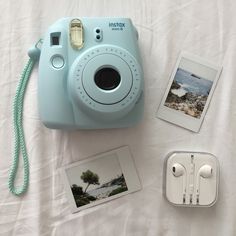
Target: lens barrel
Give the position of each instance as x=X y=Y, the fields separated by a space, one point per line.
x=107 y=78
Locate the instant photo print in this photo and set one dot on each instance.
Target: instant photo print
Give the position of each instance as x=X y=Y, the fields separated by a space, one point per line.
x=100 y=179
x=189 y=92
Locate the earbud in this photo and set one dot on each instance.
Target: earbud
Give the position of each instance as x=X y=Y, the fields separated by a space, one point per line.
x=179 y=170
x=205 y=172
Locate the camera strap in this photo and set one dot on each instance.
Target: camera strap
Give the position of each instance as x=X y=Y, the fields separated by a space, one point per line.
x=19 y=144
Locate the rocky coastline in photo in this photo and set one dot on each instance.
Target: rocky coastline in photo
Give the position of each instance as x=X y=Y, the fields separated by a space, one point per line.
x=188 y=103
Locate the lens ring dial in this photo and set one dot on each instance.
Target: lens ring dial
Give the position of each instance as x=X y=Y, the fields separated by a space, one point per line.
x=78 y=89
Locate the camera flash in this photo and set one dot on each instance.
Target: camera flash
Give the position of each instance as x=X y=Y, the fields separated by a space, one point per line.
x=76 y=34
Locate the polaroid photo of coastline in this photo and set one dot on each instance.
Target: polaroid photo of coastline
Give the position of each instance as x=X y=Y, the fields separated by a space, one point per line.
x=189 y=92
x=101 y=178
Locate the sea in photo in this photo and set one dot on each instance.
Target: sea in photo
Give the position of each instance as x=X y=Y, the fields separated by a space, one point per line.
x=115 y=186
x=188 y=93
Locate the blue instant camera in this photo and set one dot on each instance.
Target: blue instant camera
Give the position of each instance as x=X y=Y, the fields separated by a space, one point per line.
x=90 y=74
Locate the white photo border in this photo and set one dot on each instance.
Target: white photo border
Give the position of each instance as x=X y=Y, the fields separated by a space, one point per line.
x=128 y=169
x=177 y=117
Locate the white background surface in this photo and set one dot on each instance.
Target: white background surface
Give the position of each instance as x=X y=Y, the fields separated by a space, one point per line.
x=206 y=28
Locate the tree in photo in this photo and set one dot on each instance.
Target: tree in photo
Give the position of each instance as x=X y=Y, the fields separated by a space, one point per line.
x=90 y=178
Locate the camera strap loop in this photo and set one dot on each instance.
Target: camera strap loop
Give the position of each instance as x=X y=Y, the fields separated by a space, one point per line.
x=19 y=145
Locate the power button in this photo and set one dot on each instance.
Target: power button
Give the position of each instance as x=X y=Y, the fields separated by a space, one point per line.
x=57 y=61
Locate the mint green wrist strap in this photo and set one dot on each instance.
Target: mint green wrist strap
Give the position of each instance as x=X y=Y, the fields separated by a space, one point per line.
x=34 y=54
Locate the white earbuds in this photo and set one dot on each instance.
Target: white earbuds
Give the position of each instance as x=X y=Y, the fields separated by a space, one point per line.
x=205 y=172
x=191 y=179
x=179 y=170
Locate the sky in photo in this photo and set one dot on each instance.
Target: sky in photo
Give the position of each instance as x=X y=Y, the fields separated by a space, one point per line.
x=198 y=69
x=107 y=168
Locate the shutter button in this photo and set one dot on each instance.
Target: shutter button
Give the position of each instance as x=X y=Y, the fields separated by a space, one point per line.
x=57 y=61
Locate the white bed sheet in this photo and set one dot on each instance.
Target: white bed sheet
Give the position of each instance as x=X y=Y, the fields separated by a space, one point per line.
x=206 y=28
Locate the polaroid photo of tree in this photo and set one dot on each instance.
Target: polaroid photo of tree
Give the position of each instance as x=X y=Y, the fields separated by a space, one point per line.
x=96 y=180
x=101 y=178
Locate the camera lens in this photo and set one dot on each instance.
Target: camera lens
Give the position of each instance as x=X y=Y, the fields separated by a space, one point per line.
x=107 y=78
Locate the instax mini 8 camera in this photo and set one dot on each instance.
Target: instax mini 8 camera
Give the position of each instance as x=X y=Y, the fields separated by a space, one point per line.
x=90 y=74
